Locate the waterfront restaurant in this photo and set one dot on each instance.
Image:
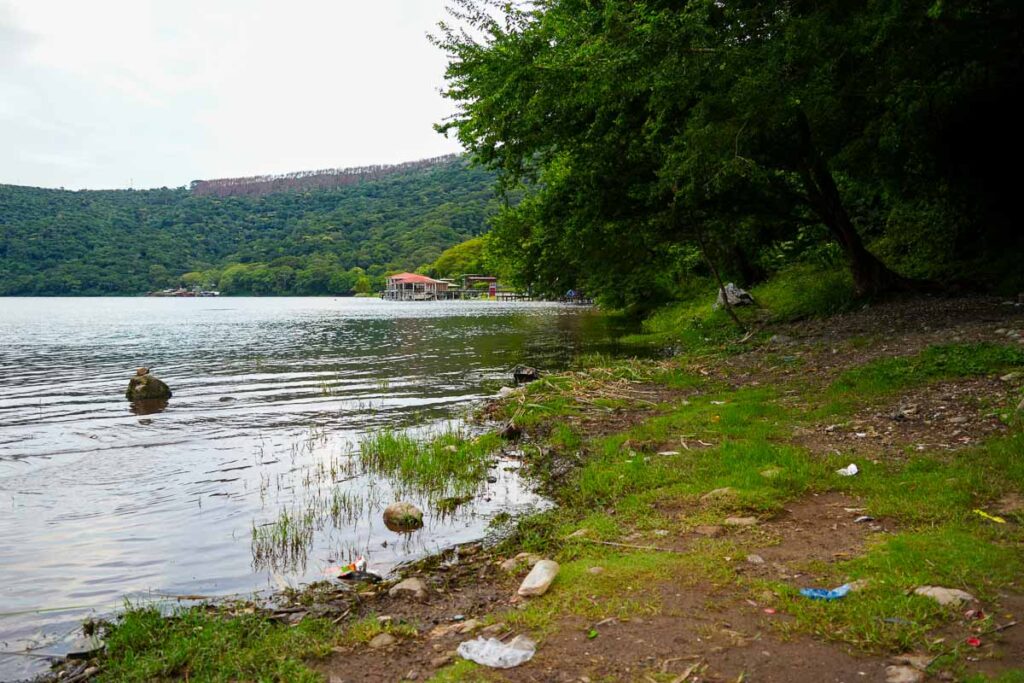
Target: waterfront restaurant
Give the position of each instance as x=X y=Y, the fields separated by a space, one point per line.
x=413 y=287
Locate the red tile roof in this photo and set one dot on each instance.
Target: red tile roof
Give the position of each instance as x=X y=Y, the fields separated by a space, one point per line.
x=411 y=277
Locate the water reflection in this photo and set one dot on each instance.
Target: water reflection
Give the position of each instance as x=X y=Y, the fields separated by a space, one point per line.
x=148 y=406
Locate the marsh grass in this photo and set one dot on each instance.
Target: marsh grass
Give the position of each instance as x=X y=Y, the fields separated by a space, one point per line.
x=201 y=644
x=451 y=463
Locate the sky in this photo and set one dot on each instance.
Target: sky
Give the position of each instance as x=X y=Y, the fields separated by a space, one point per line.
x=152 y=93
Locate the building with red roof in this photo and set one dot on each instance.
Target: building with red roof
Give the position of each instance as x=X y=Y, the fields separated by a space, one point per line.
x=414 y=287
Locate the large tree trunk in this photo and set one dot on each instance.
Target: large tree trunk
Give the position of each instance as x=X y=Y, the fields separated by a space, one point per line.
x=870 y=276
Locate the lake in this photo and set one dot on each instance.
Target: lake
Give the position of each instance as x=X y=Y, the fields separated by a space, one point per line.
x=271 y=398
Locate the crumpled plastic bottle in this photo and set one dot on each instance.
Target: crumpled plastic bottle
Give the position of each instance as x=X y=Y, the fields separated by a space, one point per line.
x=496 y=654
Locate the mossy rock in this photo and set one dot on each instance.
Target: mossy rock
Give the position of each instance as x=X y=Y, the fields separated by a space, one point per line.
x=147 y=388
x=403 y=517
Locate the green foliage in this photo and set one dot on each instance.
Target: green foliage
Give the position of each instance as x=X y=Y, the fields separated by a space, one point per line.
x=806 y=291
x=889 y=375
x=651 y=137
x=331 y=241
x=198 y=644
x=462 y=259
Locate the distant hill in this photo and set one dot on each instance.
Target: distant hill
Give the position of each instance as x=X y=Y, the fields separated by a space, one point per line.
x=322 y=232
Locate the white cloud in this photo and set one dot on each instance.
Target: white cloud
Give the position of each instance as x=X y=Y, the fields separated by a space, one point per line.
x=101 y=93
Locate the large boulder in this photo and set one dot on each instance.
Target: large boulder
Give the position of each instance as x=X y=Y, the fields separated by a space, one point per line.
x=735 y=295
x=146 y=387
x=403 y=517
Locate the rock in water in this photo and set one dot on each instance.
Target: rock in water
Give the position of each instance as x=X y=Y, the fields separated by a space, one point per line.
x=735 y=295
x=524 y=373
x=403 y=517
x=146 y=387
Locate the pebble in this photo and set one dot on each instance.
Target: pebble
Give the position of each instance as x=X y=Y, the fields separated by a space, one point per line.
x=755 y=559
x=413 y=588
x=740 y=521
x=469 y=626
x=1010 y=377
x=903 y=674
x=492 y=630
x=382 y=640
x=708 y=530
x=443 y=660
x=596 y=570
x=717 y=493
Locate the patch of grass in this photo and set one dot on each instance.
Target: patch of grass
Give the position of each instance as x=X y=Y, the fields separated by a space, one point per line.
x=889 y=375
x=200 y=644
x=366 y=629
x=449 y=464
x=806 y=291
x=461 y=671
x=621 y=590
x=885 y=617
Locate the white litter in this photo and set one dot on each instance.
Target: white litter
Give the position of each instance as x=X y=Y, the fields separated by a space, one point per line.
x=848 y=471
x=496 y=654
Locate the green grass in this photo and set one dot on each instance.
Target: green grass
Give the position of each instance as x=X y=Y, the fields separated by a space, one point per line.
x=366 y=629
x=204 y=645
x=806 y=291
x=890 y=375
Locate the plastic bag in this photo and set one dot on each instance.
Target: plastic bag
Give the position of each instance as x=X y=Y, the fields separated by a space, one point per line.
x=823 y=594
x=848 y=471
x=496 y=654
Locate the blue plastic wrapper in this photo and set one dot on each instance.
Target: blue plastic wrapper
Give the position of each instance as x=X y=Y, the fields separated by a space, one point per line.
x=823 y=594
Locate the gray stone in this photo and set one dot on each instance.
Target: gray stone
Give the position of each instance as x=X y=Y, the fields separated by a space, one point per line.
x=740 y=521
x=755 y=559
x=382 y=640
x=409 y=588
x=903 y=674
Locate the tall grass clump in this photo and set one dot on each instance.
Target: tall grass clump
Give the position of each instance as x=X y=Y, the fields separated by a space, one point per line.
x=450 y=463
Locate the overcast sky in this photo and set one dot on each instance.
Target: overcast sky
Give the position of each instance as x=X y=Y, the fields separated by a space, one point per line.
x=150 y=93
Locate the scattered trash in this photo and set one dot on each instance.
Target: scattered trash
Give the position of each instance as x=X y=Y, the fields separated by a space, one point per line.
x=539 y=579
x=975 y=614
x=591 y=634
x=357 y=575
x=824 y=594
x=848 y=471
x=944 y=596
x=973 y=641
x=496 y=654
x=897 y=620
x=769 y=610
x=991 y=518
x=864 y=518
x=668 y=453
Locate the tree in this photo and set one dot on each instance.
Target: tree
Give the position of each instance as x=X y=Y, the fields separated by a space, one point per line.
x=643 y=129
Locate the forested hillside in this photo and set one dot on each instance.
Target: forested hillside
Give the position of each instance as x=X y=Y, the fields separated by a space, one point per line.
x=320 y=241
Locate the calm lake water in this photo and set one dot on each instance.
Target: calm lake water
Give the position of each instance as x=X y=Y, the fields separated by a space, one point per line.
x=271 y=397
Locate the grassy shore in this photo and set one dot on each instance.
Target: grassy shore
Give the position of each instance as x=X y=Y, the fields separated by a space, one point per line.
x=695 y=496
